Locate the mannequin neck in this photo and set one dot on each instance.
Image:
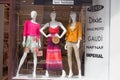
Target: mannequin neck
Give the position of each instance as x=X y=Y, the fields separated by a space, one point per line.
x=53 y=20
x=73 y=21
x=33 y=20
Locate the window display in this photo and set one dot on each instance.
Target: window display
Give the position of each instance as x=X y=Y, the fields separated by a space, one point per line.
x=52 y=22
x=88 y=22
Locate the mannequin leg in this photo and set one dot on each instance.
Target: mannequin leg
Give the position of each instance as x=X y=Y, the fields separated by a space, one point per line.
x=76 y=50
x=35 y=64
x=21 y=62
x=63 y=73
x=69 y=54
x=46 y=73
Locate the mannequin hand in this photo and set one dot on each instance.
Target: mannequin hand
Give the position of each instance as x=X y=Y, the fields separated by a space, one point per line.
x=48 y=35
x=57 y=35
x=78 y=44
x=23 y=43
x=39 y=45
x=65 y=46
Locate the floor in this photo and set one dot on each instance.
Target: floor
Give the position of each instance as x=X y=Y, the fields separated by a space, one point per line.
x=42 y=77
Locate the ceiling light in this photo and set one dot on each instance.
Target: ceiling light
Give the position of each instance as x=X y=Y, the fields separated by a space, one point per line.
x=24 y=1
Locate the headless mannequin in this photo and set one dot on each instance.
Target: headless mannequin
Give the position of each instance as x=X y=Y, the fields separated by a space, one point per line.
x=53 y=23
x=72 y=27
x=33 y=20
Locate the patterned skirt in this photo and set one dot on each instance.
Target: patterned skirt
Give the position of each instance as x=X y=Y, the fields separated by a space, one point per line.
x=53 y=56
x=32 y=43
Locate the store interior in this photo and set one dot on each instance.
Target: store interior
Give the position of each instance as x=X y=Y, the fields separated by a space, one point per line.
x=5 y=42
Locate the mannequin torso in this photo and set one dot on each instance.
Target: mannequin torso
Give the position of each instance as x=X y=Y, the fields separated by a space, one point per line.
x=72 y=27
x=54 y=24
x=33 y=21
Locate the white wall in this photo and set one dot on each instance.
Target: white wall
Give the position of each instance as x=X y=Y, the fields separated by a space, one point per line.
x=97 y=68
x=115 y=40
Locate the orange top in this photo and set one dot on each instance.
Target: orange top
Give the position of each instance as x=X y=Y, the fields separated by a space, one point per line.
x=75 y=34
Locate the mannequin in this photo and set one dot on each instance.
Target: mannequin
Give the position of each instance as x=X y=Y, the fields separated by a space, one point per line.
x=31 y=41
x=73 y=38
x=53 y=49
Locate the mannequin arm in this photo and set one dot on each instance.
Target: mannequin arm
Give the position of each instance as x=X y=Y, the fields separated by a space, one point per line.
x=39 y=44
x=79 y=34
x=44 y=27
x=64 y=30
x=78 y=43
x=65 y=46
x=23 y=43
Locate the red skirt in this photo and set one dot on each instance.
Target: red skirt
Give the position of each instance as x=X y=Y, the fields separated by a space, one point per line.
x=53 y=58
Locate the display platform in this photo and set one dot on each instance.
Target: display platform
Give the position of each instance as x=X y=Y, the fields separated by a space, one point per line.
x=42 y=77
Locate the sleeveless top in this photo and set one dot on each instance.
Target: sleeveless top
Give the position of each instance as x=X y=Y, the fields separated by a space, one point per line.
x=54 y=30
